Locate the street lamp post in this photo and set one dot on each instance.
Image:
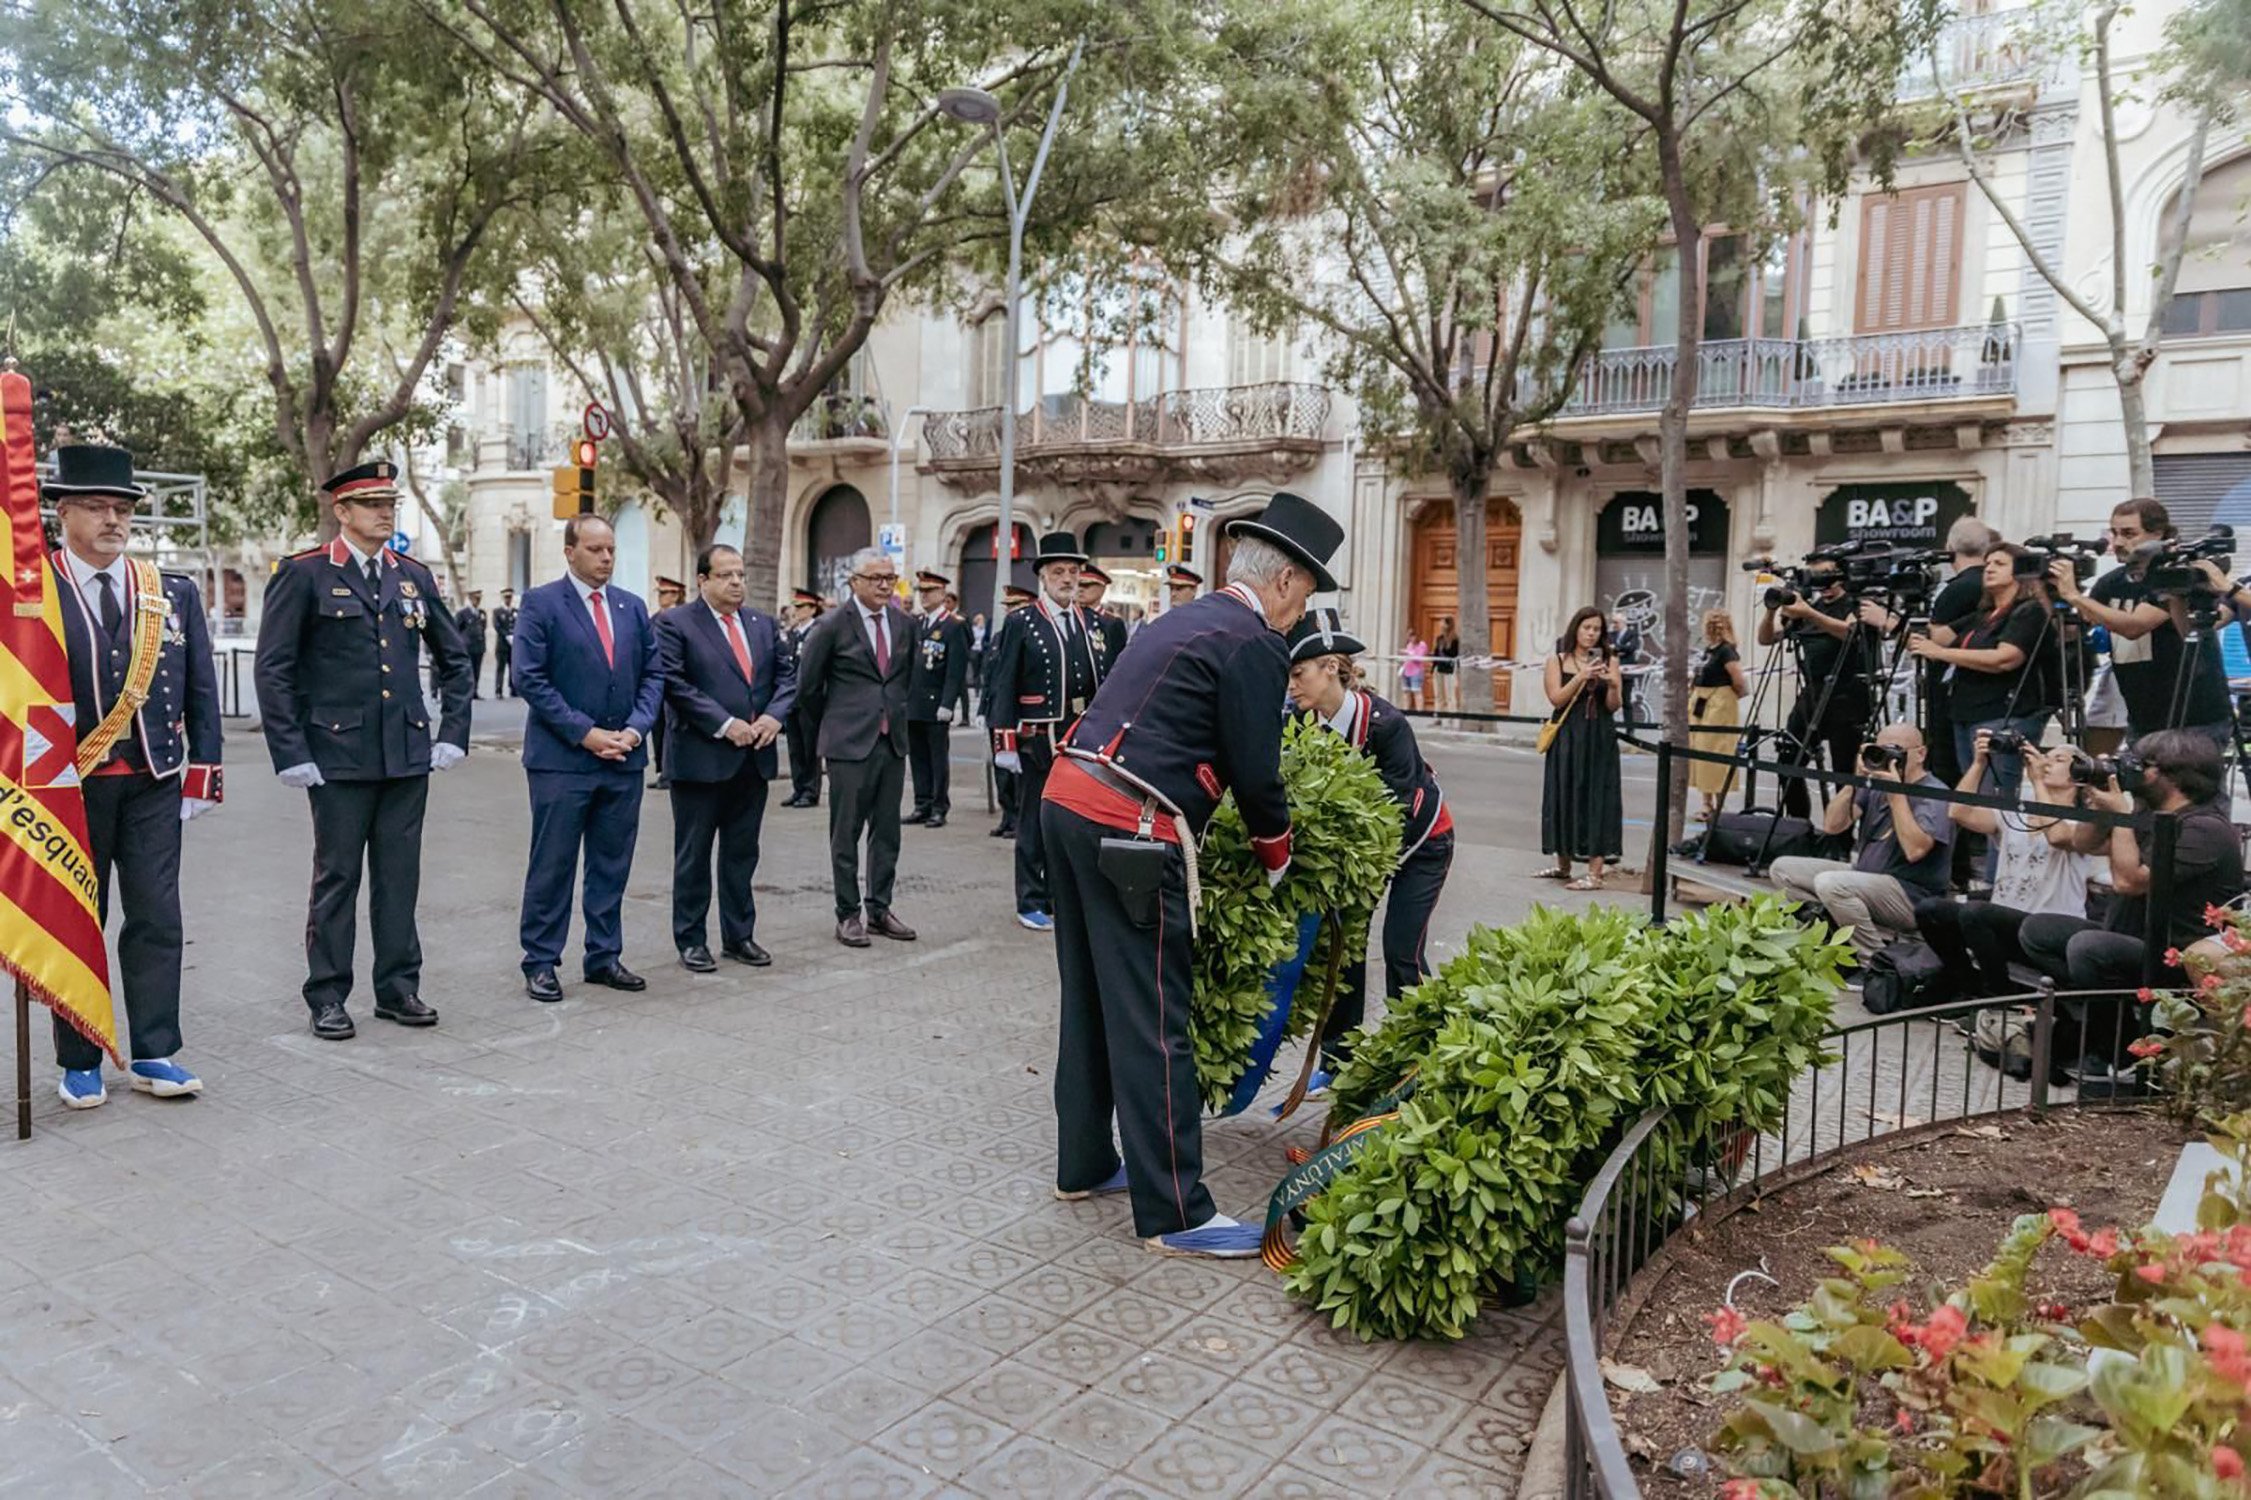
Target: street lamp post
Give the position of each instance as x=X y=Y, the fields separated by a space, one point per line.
x=975 y=106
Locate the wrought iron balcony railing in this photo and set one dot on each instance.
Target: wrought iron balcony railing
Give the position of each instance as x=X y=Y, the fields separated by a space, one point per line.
x=1990 y=50
x=1280 y=410
x=1937 y=364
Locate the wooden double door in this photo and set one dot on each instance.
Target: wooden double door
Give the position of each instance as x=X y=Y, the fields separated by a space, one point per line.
x=1436 y=587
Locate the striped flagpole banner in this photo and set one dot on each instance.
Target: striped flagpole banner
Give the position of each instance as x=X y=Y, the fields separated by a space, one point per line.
x=50 y=923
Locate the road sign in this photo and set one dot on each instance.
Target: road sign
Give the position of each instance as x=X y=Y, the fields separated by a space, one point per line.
x=401 y=542
x=595 y=422
x=891 y=539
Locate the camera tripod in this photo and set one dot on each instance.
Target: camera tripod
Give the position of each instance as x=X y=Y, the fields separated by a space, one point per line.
x=1810 y=749
x=2203 y=613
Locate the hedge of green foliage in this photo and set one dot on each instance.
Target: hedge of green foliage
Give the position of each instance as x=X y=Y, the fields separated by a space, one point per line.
x=1345 y=832
x=1531 y=1052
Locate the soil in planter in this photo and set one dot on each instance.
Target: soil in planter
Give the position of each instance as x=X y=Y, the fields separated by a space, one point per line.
x=1944 y=1200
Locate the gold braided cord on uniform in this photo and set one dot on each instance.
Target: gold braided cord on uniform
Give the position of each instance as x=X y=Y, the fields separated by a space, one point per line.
x=149 y=614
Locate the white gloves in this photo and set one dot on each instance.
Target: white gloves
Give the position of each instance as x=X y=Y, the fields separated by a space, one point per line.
x=945 y=716
x=1008 y=760
x=443 y=756
x=303 y=776
x=192 y=808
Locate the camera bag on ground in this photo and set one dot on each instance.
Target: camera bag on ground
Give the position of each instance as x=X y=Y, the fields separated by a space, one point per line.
x=1906 y=975
x=1736 y=838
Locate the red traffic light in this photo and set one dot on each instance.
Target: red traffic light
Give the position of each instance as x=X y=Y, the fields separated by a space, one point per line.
x=584 y=452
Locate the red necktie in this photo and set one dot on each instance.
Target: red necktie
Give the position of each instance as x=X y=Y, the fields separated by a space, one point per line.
x=742 y=651
x=602 y=627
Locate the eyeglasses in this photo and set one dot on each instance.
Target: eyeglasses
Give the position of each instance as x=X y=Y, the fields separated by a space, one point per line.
x=888 y=580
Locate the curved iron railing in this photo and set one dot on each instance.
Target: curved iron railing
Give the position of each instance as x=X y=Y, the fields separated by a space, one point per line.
x=1895 y=1075
x=1277 y=409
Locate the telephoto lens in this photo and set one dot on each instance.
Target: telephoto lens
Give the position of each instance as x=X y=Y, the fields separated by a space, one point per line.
x=1883 y=757
x=2004 y=742
x=1776 y=598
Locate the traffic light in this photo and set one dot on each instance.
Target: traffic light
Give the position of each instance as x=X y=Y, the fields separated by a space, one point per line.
x=574 y=485
x=1164 y=545
x=1187 y=536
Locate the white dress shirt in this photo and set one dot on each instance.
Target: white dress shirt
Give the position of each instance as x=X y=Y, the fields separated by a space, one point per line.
x=83 y=574
x=721 y=732
x=874 y=622
x=1346 y=718
x=586 y=592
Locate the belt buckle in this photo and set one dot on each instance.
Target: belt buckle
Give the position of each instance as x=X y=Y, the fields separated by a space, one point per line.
x=1148 y=825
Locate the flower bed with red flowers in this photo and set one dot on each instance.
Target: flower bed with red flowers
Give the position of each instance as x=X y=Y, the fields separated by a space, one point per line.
x=1918 y=1320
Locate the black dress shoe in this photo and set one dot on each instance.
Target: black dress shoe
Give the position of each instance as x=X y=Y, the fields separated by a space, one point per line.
x=698 y=960
x=919 y=815
x=883 y=924
x=618 y=977
x=331 y=1023
x=935 y=820
x=543 y=986
x=1004 y=831
x=748 y=953
x=407 y=1010
x=852 y=932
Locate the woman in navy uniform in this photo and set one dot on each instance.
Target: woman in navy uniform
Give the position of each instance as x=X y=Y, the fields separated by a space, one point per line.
x=345 y=718
x=1046 y=666
x=130 y=630
x=1194 y=711
x=1324 y=686
x=1013 y=598
x=798 y=728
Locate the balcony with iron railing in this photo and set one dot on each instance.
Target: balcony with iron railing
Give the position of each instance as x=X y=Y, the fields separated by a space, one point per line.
x=1851 y=372
x=1993 y=49
x=1279 y=411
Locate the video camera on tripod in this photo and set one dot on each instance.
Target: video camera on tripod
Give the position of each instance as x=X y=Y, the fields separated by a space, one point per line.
x=2171 y=567
x=2042 y=553
x=1867 y=569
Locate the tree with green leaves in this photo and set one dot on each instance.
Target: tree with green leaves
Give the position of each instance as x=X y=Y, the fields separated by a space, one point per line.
x=1452 y=221
x=345 y=169
x=1744 y=108
x=795 y=175
x=2204 y=69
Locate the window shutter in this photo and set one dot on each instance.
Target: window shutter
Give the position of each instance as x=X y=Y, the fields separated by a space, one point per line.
x=1911 y=259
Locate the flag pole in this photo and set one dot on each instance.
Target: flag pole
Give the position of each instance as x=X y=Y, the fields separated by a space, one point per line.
x=23 y=1061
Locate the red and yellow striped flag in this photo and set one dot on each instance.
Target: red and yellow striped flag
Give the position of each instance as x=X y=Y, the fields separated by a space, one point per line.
x=50 y=927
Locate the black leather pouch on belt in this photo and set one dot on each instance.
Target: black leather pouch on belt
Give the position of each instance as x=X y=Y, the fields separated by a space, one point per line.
x=1136 y=868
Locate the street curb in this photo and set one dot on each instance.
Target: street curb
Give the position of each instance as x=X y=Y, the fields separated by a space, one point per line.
x=1544 y=1477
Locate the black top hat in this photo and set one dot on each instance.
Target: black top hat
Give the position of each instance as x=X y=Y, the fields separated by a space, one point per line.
x=1185 y=577
x=1058 y=546
x=1089 y=573
x=1309 y=534
x=1321 y=632
x=88 y=469
x=927 y=578
x=371 y=481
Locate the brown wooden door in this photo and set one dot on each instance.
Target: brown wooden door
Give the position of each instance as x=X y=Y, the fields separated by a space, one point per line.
x=1435 y=589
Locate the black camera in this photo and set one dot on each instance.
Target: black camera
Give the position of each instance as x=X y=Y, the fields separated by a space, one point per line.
x=2128 y=769
x=2173 y=570
x=1883 y=757
x=2007 y=742
x=2043 y=552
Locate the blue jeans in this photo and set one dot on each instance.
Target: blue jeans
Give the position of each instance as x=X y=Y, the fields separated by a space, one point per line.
x=2008 y=768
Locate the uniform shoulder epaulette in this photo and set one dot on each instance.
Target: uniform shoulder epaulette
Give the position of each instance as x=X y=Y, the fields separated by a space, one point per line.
x=320 y=550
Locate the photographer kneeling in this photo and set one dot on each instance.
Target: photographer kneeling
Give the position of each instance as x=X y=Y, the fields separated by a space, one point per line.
x=2172 y=771
x=1997 y=664
x=2146 y=646
x=1833 y=647
x=1905 y=846
x=2036 y=870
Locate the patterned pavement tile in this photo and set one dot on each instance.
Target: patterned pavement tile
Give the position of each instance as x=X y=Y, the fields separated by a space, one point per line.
x=1029 y=1469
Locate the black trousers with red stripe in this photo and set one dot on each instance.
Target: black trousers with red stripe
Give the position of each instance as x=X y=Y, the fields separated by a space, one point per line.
x=1406 y=933
x=1124 y=1048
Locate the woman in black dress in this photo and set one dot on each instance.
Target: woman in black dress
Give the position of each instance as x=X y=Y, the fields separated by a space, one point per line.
x=1582 y=806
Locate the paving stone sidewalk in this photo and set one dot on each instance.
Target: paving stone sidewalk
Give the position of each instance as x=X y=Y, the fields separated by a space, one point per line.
x=780 y=1232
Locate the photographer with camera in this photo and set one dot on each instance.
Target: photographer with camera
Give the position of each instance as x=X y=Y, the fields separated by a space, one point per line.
x=2172 y=771
x=2000 y=677
x=1834 y=666
x=2147 y=646
x=2036 y=869
x=1968 y=541
x=1904 y=847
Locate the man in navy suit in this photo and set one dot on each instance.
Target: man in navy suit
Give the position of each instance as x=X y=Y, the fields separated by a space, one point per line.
x=585 y=666
x=127 y=630
x=853 y=677
x=728 y=685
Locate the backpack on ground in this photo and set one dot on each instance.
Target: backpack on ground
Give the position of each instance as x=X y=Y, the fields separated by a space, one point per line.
x=1907 y=975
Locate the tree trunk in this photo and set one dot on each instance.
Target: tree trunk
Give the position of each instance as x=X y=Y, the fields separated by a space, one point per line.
x=1672 y=465
x=2133 y=412
x=768 y=481
x=1472 y=616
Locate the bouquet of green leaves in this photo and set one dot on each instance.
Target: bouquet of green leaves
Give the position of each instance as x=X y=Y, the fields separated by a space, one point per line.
x=1345 y=832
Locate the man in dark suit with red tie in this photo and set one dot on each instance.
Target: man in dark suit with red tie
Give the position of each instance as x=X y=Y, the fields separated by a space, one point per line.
x=585 y=666
x=728 y=686
x=852 y=678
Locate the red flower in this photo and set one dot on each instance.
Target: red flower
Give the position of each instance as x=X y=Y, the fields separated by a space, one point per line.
x=1904 y=1420
x=1943 y=1331
x=2067 y=1224
x=2209 y=984
x=1740 y=1489
x=2227 y=1463
x=2153 y=1274
x=2103 y=1244
x=1727 y=1326
x=2147 y=1046
x=2145 y=995
x=2054 y=1312
x=2172 y=958
x=2216 y=916
x=2224 y=1351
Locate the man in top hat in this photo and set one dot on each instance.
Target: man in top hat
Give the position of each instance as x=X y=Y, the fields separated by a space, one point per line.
x=147 y=700
x=1181 y=585
x=586 y=669
x=1094 y=584
x=1193 y=711
x=1046 y=665
x=345 y=719
x=941 y=666
x=853 y=672
x=1013 y=597
x=729 y=684
x=470 y=621
x=503 y=641
x=798 y=725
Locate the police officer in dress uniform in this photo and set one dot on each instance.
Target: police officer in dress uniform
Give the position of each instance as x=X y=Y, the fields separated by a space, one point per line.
x=1193 y=711
x=346 y=719
x=671 y=592
x=798 y=727
x=470 y=621
x=143 y=684
x=503 y=641
x=1110 y=630
x=1046 y=666
x=1181 y=585
x=941 y=666
x=1013 y=597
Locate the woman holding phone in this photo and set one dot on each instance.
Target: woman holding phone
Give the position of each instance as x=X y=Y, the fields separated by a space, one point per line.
x=1582 y=802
